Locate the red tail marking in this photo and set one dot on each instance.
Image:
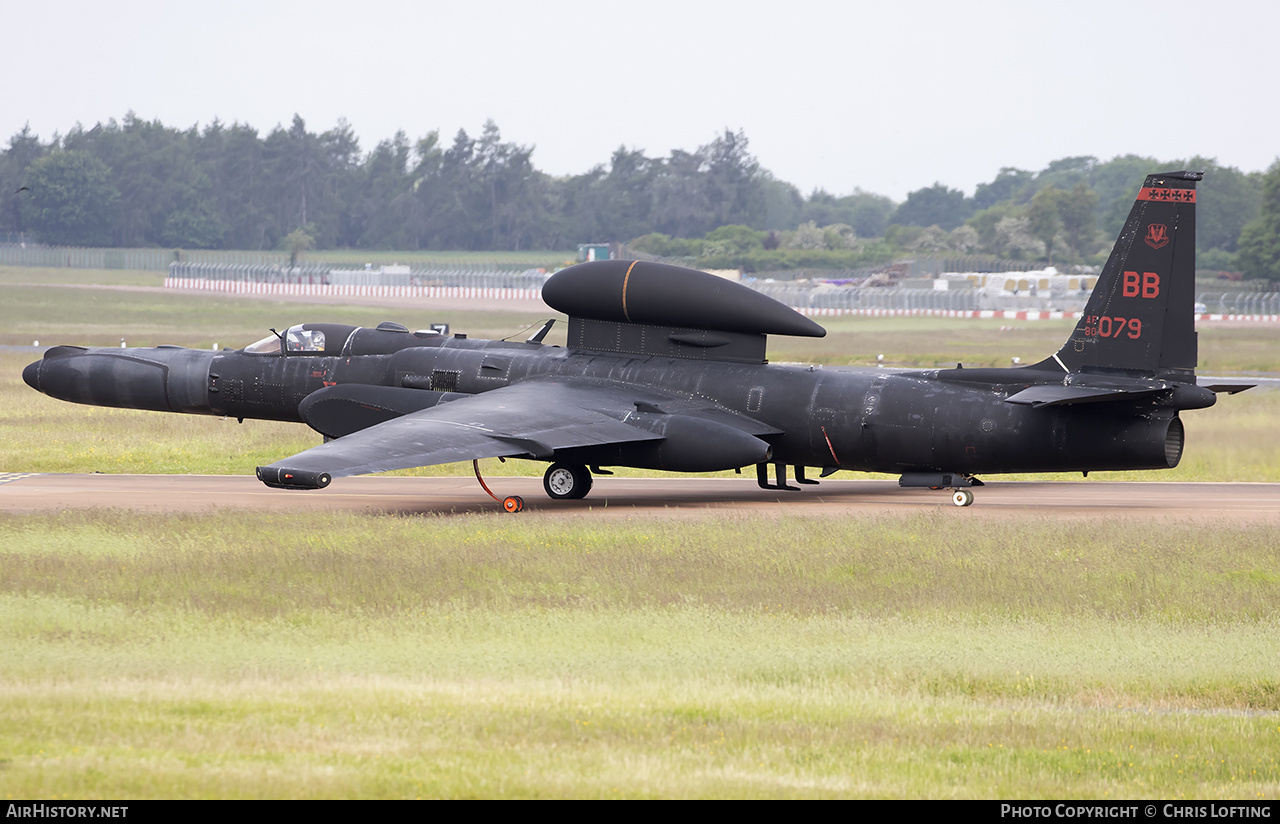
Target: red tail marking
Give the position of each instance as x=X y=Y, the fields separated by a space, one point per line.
x=1148 y=286
x=1168 y=195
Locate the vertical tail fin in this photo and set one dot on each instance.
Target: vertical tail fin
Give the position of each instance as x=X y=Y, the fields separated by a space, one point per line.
x=1140 y=317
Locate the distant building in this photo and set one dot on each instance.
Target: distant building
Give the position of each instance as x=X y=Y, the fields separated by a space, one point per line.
x=596 y=251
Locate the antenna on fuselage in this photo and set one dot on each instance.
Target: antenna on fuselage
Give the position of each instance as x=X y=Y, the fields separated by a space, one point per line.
x=542 y=333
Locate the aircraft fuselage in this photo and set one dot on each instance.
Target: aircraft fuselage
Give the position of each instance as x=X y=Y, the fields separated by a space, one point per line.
x=840 y=418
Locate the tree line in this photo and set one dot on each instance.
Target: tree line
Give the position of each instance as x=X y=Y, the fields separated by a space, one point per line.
x=138 y=183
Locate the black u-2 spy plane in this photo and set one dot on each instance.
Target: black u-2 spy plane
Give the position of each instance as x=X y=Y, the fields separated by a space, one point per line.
x=665 y=369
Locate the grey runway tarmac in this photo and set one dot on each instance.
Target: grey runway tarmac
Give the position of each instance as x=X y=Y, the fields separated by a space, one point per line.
x=670 y=497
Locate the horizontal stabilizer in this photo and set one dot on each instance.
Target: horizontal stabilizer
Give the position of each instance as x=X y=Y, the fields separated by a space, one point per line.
x=1058 y=395
x=1228 y=388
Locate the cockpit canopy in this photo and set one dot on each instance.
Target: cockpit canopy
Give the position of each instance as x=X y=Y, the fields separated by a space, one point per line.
x=334 y=339
x=319 y=338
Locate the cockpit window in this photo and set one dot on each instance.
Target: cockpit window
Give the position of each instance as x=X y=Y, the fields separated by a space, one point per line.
x=304 y=340
x=307 y=339
x=270 y=345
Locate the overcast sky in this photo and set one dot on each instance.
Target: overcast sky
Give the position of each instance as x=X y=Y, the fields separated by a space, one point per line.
x=888 y=96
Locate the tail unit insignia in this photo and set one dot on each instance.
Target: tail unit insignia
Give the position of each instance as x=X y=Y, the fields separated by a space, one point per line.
x=1140 y=318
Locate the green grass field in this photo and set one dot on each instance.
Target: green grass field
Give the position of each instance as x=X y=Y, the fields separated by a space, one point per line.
x=249 y=654
x=101 y=277
x=265 y=655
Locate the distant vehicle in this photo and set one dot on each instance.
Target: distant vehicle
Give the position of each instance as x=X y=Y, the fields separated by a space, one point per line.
x=665 y=369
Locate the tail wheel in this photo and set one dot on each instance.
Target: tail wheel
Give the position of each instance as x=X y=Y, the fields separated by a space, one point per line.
x=567 y=481
x=962 y=497
x=514 y=503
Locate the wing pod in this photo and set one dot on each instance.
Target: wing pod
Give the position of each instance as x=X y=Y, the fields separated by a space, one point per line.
x=692 y=444
x=279 y=477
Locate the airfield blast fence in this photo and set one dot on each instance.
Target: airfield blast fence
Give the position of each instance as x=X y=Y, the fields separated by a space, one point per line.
x=259 y=271
x=821 y=299
x=221 y=269
x=490 y=281
x=1240 y=303
x=461 y=275
x=848 y=299
x=900 y=300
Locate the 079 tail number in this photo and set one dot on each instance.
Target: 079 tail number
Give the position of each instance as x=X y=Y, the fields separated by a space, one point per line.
x=1108 y=327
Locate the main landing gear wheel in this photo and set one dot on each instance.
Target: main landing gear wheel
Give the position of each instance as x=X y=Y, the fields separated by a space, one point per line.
x=962 y=497
x=567 y=481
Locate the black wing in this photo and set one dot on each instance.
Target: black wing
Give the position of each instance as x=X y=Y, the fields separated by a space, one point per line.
x=532 y=419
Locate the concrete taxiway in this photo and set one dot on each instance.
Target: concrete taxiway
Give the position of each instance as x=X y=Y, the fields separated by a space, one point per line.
x=654 y=497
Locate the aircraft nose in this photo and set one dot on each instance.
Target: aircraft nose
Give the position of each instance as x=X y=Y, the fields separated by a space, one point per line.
x=31 y=375
x=100 y=377
x=168 y=379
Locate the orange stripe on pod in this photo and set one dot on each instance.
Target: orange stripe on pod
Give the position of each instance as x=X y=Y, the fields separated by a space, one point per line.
x=624 y=290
